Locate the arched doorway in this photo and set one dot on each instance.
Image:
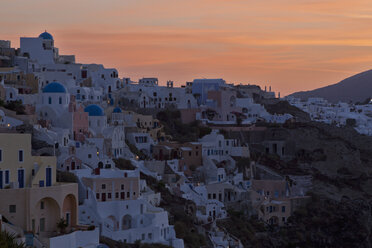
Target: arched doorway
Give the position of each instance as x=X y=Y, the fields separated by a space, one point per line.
x=126 y=222
x=47 y=213
x=69 y=210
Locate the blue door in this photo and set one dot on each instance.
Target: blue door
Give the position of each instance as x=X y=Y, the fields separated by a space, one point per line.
x=21 y=178
x=1 y=179
x=48 y=177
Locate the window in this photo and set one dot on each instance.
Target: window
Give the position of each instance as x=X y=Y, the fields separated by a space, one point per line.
x=12 y=208
x=143 y=236
x=89 y=155
x=209 y=196
x=128 y=194
x=20 y=155
x=60 y=100
x=276 y=194
x=283 y=209
x=149 y=236
x=97 y=195
x=283 y=219
x=41 y=205
x=7 y=176
x=103 y=186
x=117 y=195
x=50 y=100
x=109 y=195
x=1 y=155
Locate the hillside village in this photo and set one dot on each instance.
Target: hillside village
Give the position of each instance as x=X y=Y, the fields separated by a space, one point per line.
x=92 y=159
x=357 y=115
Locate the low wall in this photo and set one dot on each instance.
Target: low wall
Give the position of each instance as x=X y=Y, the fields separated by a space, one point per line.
x=76 y=239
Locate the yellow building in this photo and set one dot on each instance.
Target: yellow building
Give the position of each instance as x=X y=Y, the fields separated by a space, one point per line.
x=26 y=83
x=148 y=124
x=31 y=198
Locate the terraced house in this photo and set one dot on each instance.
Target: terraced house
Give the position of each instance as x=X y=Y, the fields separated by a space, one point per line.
x=30 y=196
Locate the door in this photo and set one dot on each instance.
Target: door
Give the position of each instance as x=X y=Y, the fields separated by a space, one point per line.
x=1 y=179
x=33 y=225
x=48 y=177
x=21 y=178
x=68 y=219
x=42 y=224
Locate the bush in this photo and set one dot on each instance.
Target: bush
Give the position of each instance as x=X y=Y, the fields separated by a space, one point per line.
x=174 y=127
x=135 y=151
x=7 y=240
x=91 y=228
x=66 y=177
x=16 y=106
x=124 y=164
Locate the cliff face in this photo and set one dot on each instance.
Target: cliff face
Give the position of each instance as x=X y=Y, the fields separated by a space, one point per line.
x=340 y=213
x=283 y=107
x=356 y=88
x=339 y=160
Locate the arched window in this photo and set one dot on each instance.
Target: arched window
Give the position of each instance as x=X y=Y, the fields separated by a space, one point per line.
x=126 y=222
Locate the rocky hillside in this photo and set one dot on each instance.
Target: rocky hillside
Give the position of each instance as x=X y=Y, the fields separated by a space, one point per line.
x=356 y=88
x=283 y=107
x=340 y=212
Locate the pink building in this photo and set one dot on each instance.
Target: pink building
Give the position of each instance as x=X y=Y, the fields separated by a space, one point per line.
x=224 y=103
x=80 y=125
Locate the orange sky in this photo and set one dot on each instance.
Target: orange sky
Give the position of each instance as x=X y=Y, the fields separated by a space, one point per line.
x=291 y=45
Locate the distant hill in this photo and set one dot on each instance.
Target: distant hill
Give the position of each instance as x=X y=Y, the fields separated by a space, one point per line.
x=356 y=88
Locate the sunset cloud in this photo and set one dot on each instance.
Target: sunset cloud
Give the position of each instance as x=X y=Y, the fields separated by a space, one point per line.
x=290 y=44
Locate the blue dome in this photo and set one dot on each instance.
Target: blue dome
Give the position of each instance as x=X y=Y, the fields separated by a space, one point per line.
x=54 y=87
x=117 y=110
x=46 y=36
x=94 y=110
